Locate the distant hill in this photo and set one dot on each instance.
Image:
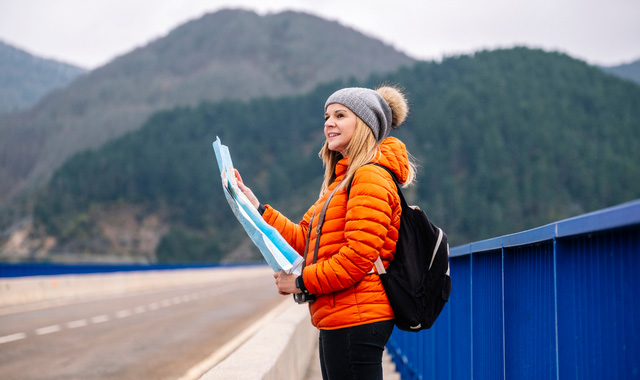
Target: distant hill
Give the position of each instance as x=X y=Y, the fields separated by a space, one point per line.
x=231 y=54
x=506 y=140
x=629 y=71
x=25 y=79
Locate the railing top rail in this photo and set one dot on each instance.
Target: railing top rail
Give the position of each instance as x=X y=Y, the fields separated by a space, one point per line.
x=625 y=214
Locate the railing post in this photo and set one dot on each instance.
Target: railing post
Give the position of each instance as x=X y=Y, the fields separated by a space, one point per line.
x=555 y=301
x=504 y=340
x=471 y=311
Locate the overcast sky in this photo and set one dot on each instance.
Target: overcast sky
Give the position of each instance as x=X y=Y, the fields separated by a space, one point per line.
x=89 y=33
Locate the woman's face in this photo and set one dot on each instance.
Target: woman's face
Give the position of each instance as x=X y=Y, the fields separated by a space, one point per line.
x=339 y=126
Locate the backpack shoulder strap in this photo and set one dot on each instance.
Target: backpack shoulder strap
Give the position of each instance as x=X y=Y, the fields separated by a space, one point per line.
x=378 y=263
x=318 y=229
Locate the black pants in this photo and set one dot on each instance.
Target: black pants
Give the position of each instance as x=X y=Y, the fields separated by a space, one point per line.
x=354 y=353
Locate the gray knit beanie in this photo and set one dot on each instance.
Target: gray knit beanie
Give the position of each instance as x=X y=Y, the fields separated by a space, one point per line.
x=368 y=105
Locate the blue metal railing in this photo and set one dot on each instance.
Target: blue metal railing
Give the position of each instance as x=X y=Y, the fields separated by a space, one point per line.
x=560 y=301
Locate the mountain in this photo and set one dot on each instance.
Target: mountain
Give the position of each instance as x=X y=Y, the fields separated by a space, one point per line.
x=25 y=79
x=630 y=71
x=506 y=140
x=230 y=54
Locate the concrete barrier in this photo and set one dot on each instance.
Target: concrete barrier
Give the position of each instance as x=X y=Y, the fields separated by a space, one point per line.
x=28 y=290
x=280 y=349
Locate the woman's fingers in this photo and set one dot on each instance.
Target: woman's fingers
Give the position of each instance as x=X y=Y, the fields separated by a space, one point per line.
x=239 y=179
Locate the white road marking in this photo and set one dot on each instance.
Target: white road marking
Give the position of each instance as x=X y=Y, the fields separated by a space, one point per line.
x=12 y=337
x=123 y=314
x=99 y=318
x=48 y=330
x=76 y=324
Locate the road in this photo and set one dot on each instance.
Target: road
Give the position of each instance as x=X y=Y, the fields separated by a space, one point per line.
x=152 y=335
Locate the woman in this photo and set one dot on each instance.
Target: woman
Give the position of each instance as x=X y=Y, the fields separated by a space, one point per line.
x=351 y=309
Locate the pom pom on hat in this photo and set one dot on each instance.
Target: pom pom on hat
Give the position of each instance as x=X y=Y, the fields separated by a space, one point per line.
x=397 y=102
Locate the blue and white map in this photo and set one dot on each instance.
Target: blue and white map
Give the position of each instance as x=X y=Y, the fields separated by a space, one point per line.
x=275 y=250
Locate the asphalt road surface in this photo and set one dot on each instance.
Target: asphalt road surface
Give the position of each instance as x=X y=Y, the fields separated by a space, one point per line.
x=152 y=335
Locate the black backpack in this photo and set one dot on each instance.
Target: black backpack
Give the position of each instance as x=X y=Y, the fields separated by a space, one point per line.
x=417 y=280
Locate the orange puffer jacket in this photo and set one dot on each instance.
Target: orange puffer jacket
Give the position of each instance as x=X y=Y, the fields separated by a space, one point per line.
x=355 y=232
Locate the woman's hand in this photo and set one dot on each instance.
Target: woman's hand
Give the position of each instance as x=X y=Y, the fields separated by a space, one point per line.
x=286 y=283
x=246 y=191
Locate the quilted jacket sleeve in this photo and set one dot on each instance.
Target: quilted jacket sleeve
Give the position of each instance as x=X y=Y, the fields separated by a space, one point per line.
x=367 y=227
x=294 y=234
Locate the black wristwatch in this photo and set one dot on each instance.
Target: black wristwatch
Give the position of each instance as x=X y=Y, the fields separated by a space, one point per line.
x=300 y=285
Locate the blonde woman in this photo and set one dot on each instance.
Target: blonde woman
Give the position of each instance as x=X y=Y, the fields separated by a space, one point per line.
x=348 y=302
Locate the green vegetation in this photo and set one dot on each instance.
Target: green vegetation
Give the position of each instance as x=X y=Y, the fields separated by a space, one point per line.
x=507 y=140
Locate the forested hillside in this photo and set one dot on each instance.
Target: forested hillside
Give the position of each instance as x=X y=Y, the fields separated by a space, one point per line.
x=507 y=140
x=230 y=54
x=25 y=79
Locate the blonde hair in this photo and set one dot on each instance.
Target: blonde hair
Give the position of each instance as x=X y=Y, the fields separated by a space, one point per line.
x=363 y=147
